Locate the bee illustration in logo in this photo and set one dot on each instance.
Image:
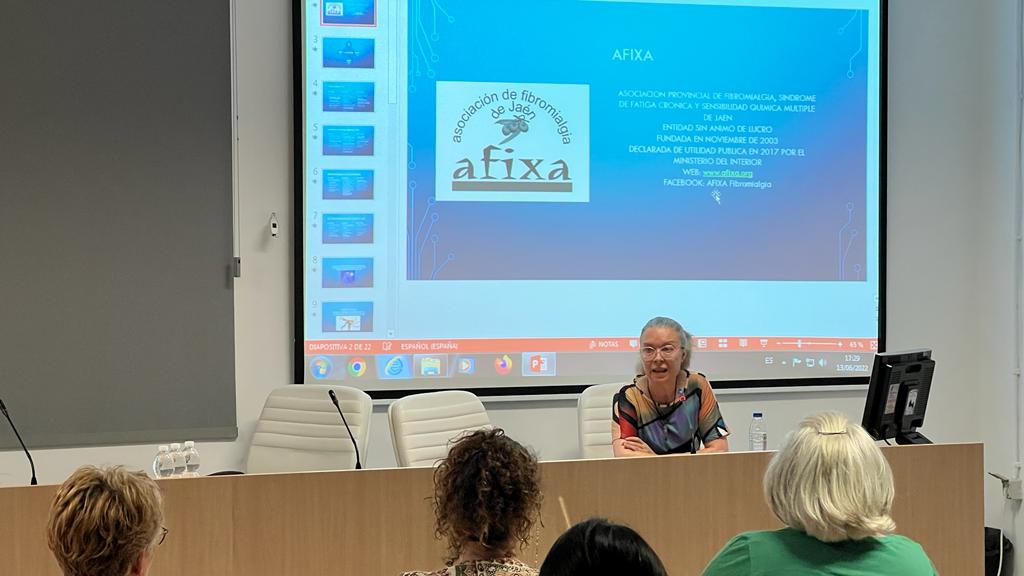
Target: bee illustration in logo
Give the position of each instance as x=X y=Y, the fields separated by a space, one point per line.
x=512 y=127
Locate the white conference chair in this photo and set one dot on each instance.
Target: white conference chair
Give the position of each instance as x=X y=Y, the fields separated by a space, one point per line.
x=423 y=425
x=300 y=430
x=594 y=411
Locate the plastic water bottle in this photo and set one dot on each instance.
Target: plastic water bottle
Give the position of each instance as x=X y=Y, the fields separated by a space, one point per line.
x=191 y=459
x=758 y=433
x=179 y=459
x=163 y=464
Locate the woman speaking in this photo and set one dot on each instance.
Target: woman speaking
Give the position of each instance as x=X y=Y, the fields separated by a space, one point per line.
x=667 y=409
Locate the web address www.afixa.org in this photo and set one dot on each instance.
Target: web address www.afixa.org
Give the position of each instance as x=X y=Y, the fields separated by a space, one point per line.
x=727 y=174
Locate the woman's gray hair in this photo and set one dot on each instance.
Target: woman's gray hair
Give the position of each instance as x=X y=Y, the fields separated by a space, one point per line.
x=685 y=338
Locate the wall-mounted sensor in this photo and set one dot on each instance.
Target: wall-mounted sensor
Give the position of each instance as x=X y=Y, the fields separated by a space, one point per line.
x=273 y=224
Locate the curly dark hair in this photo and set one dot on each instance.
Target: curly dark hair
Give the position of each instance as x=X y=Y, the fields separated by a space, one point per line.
x=487 y=491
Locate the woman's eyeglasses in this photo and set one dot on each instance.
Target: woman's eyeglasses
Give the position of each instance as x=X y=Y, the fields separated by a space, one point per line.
x=649 y=352
x=163 y=535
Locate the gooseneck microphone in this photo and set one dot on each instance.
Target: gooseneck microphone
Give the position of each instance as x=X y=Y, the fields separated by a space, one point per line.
x=11 y=422
x=334 y=399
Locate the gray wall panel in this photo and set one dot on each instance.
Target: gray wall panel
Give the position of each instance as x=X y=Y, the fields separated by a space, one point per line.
x=116 y=306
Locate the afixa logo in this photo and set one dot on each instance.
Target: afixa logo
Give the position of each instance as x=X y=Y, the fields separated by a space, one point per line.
x=501 y=169
x=513 y=142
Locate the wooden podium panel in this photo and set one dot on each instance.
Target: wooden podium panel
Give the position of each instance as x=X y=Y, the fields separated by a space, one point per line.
x=371 y=522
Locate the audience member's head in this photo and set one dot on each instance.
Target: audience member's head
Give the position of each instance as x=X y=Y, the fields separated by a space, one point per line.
x=105 y=522
x=831 y=481
x=597 y=547
x=486 y=496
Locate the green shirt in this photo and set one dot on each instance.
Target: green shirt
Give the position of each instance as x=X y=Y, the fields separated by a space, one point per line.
x=790 y=552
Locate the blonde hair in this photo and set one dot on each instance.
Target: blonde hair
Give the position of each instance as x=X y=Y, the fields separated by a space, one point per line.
x=102 y=520
x=831 y=481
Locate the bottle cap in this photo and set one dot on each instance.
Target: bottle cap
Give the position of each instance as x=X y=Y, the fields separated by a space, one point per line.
x=758 y=415
x=176 y=446
x=163 y=448
x=189 y=444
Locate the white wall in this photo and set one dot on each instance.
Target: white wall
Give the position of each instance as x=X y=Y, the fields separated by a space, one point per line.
x=950 y=283
x=992 y=186
x=952 y=147
x=951 y=206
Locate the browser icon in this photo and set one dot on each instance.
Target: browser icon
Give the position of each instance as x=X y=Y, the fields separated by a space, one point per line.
x=467 y=365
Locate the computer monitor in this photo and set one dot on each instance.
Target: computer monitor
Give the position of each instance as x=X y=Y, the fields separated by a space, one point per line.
x=898 y=396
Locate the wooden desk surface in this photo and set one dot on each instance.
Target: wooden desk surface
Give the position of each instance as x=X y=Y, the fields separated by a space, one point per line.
x=372 y=522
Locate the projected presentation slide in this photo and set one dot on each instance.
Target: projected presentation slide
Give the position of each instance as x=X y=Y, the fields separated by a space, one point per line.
x=348 y=140
x=348 y=96
x=348 y=229
x=513 y=195
x=348 y=317
x=349 y=13
x=348 y=272
x=348 y=184
x=348 y=53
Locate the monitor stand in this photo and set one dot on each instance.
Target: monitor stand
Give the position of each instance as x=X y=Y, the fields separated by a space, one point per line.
x=911 y=438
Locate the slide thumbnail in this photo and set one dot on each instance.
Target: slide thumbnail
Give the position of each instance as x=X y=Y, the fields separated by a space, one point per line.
x=348 y=140
x=348 y=273
x=348 y=229
x=349 y=13
x=348 y=185
x=348 y=52
x=348 y=317
x=348 y=96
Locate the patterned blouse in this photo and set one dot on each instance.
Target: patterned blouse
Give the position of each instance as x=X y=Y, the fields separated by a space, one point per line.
x=482 y=568
x=669 y=428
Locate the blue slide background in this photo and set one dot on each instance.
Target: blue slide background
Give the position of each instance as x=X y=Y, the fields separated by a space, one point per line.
x=798 y=260
x=810 y=226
